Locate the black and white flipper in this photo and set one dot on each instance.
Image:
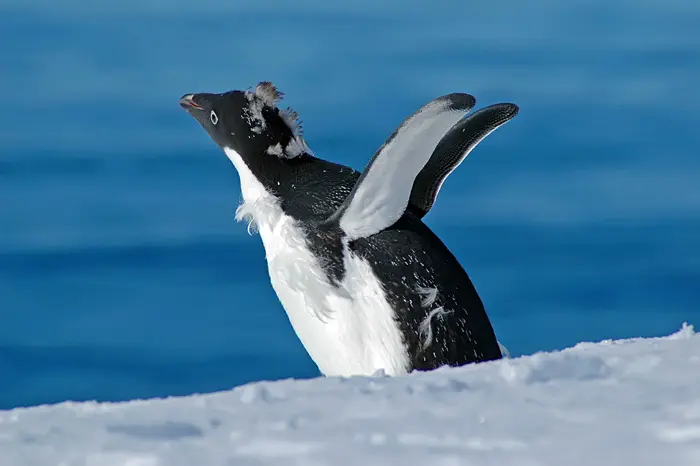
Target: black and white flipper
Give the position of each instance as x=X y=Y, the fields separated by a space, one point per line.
x=453 y=148
x=381 y=194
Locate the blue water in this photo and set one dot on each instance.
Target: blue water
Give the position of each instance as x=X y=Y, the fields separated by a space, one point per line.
x=123 y=273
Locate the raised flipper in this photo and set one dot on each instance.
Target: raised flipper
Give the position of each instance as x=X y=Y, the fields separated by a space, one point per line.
x=381 y=194
x=453 y=149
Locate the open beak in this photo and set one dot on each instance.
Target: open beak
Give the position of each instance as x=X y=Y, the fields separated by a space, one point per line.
x=188 y=103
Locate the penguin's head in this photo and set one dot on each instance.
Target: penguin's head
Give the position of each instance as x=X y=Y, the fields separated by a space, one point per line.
x=249 y=123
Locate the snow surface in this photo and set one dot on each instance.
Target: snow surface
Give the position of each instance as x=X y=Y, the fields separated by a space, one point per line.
x=629 y=402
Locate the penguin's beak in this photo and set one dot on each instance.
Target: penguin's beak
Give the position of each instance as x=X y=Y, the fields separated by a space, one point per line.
x=187 y=102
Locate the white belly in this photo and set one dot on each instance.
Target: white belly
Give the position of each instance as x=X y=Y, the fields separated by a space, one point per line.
x=347 y=330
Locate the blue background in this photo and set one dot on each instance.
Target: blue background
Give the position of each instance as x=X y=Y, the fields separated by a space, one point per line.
x=123 y=273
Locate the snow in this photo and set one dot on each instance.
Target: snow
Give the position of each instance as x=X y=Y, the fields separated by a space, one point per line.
x=628 y=402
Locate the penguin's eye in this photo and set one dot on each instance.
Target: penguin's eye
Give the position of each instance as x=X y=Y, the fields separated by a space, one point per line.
x=214 y=119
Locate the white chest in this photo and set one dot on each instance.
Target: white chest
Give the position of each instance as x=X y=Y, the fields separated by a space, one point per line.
x=347 y=330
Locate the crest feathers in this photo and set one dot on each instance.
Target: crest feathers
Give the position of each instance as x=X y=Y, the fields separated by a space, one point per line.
x=268 y=93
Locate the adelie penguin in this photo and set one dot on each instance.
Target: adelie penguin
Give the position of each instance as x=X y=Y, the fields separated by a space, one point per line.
x=367 y=286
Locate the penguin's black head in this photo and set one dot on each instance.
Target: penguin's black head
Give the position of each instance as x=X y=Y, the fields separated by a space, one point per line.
x=249 y=123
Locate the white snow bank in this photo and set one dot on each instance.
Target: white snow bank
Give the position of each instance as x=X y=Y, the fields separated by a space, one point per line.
x=621 y=403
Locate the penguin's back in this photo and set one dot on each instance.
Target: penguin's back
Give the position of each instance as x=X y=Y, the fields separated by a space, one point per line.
x=441 y=317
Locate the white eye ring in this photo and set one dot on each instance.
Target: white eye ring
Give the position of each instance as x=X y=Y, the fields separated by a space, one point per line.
x=214 y=119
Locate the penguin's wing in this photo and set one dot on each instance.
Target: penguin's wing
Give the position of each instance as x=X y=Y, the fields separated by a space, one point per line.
x=452 y=149
x=381 y=194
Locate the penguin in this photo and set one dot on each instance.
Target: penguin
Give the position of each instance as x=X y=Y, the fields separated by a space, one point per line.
x=367 y=286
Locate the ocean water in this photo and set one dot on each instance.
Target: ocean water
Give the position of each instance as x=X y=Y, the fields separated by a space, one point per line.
x=124 y=275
